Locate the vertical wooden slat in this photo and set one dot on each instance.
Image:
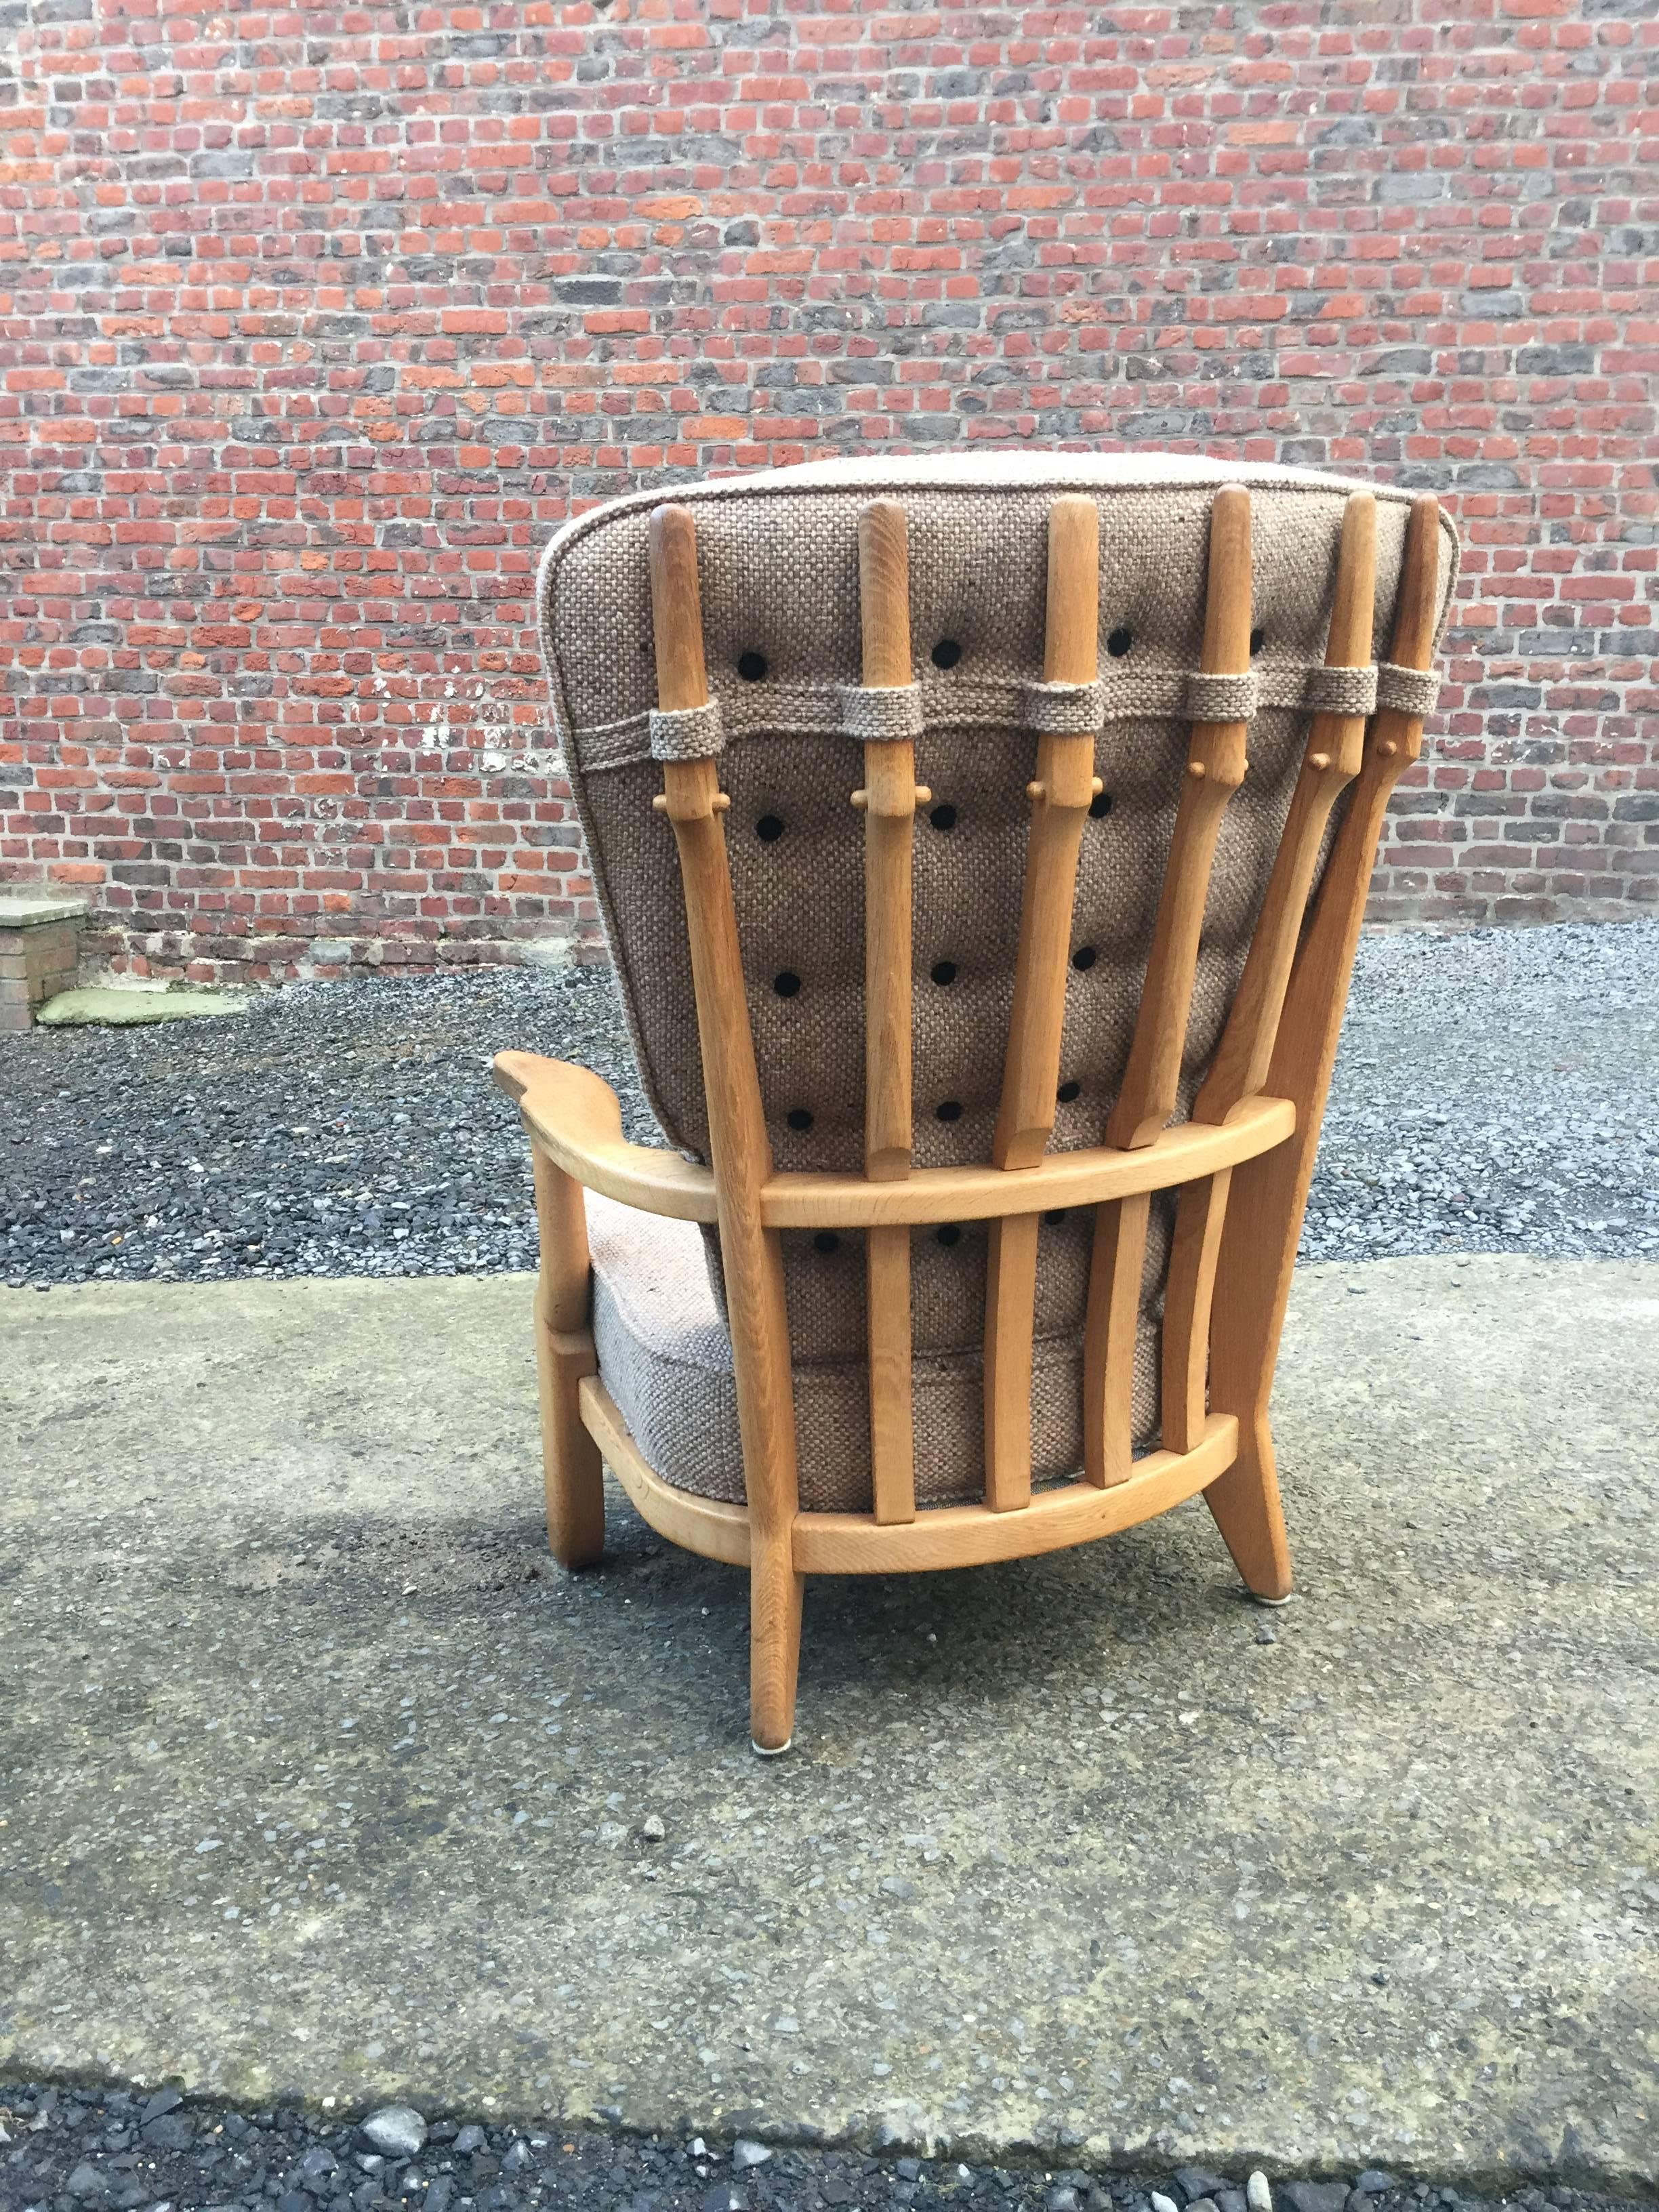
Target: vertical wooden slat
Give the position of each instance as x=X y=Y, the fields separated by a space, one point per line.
x=1239 y=1070
x=742 y=1158
x=1059 y=796
x=1115 y=1267
x=1215 y=769
x=572 y=1474
x=1268 y=1194
x=889 y=799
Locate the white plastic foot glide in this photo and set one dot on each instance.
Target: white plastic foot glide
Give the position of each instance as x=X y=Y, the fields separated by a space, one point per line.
x=1257 y=1598
x=762 y=1751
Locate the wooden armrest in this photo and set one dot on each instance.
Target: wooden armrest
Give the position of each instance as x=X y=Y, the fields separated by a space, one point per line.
x=576 y=1118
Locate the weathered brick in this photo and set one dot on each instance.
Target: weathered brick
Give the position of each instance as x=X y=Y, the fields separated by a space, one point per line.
x=282 y=460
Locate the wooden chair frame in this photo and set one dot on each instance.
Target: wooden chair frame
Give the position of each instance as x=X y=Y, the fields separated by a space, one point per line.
x=1242 y=1164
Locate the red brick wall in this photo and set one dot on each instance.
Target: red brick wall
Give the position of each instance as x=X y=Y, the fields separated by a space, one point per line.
x=319 y=319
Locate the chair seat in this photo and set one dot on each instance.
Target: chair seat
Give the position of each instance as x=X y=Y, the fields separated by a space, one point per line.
x=666 y=1357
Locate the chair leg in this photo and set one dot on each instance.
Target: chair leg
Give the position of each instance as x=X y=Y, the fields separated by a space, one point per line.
x=775 y=1605
x=571 y=1465
x=1245 y=1504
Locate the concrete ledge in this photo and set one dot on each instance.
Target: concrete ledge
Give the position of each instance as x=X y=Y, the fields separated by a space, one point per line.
x=323 y=1782
x=33 y=909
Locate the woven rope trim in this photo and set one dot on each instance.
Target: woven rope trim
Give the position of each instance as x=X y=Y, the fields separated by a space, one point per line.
x=1222 y=698
x=685 y=733
x=1063 y=710
x=1406 y=690
x=881 y=712
x=1342 y=690
x=829 y=709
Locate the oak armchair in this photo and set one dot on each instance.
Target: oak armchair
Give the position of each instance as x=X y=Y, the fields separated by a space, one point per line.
x=983 y=845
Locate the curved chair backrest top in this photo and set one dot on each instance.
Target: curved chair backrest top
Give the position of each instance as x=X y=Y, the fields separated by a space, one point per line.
x=878 y=627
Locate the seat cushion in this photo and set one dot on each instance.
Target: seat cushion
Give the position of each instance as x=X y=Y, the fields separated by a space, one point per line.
x=666 y=1358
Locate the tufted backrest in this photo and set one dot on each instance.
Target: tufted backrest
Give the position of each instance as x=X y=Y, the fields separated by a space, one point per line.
x=778 y=564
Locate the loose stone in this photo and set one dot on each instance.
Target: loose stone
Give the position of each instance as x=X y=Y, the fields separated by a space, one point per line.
x=398 y=2130
x=1196 y=2181
x=1257 y=2194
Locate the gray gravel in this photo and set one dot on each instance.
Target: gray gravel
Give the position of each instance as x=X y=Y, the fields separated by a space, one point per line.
x=1495 y=1093
x=91 y=2150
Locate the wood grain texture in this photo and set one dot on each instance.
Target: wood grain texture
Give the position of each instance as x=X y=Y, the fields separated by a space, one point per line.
x=1194 y=1252
x=884 y=594
x=974 y=1535
x=1215 y=769
x=889 y=811
x=1064 y=786
x=892 y=1428
x=676 y=610
x=739 y=1148
x=572 y=1475
x=1240 y=1068
x=704 y=1525
x=576 y=1118
x=1110 y=1325
x=1146 y=1098
x=1330 y=763
x=576 y=1115
x=1269 y=1192
x=944 y=1536
x=1010 y=1302
x=1060 y=794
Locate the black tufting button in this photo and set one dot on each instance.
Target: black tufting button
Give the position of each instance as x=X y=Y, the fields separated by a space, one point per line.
x=944 y=817
x=948 y=1234
x=1067 y=1092
x=1085 y=957
x=799 y=1117
x=944 y=971
x=1258 y=638
x=751 y=666
x=769 y=829
x=949 y=1110
x=1100 y=806
x=1118 y=643
x=946 y=653
x=1055 y=1216
x=786 y=983
x=826 y=1241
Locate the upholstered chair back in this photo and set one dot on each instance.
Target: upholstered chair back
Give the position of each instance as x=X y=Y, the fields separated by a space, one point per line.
x=778 y=566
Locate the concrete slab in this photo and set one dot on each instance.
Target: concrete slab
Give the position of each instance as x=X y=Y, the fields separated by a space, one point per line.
x=320 y=1782
x=36 y=909
x=117 y=1006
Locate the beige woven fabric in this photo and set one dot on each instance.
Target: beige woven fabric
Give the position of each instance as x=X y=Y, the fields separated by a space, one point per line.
x=778 y=568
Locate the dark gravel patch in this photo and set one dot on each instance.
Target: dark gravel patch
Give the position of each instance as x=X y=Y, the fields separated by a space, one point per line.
x=334 y=1129
x=1495 y=1093
x=86 y=2150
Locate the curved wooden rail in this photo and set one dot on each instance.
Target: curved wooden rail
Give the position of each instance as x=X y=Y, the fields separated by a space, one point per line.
x=576 y=1115
x=939 y=1537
